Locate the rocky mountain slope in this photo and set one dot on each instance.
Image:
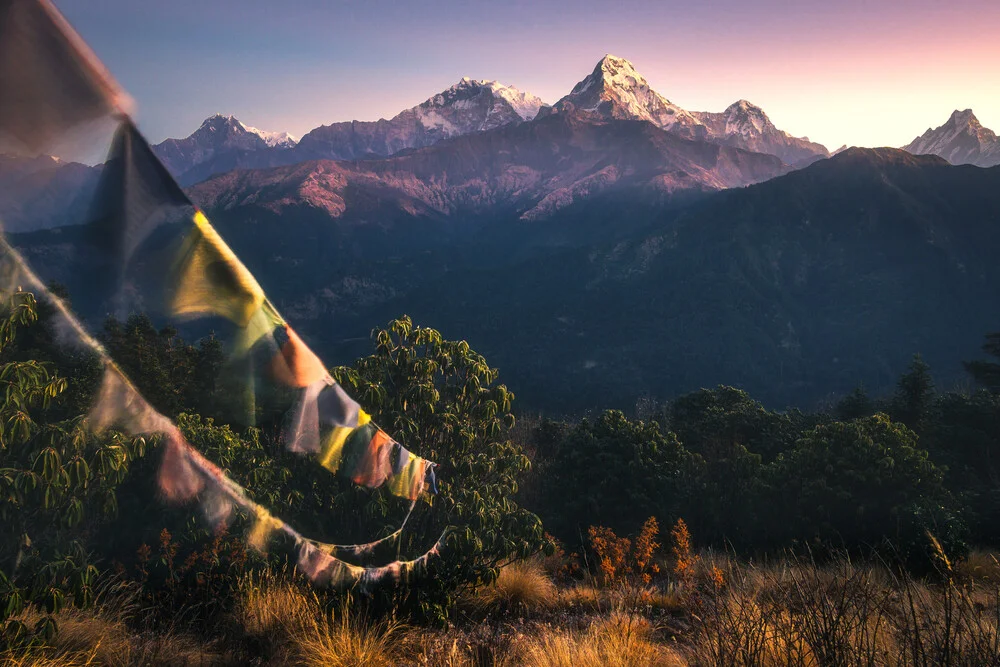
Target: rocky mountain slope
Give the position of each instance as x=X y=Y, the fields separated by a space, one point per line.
x=529 y=169
x=745 y=125
x=221 y=141
x=615 y=90
x=467 y=107
x=42 y=192
x=961 y=140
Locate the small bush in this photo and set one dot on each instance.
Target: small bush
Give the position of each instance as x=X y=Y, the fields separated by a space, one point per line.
x=349 y=639
x=522 y=587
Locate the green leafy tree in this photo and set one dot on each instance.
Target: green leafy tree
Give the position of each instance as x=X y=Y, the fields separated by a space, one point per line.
x=174 y=376
x=854 y=405
x=712 y=422
x=442 y=400
x=857 y=484
x=56 y=485
x=963 y=434
x=614 y=472
x=987 y=373
x=914 y=395
x=734 y=435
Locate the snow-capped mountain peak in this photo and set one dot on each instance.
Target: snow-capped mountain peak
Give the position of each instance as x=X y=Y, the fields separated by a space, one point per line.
x=745 y=125
x=220 y=123
x=961 y=140
x=218 y=136
x=747 y=119
x=468 y=94
x=468 y=107
x=615 y=89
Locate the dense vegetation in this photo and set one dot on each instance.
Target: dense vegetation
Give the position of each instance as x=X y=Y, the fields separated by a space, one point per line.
x=909 y=478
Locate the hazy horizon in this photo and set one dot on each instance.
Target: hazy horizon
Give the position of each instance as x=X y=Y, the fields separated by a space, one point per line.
x=849 y=74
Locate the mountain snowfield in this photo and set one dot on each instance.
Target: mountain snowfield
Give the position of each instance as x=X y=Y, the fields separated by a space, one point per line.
x=961 y=140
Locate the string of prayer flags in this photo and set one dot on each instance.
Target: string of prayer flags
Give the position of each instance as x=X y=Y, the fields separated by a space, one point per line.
x=185 y=473
x=362 y=551
x=369 y=457
x=209 y=279
x=50 y=81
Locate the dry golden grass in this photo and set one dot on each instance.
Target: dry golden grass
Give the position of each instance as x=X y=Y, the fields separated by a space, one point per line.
x=619 y=640
x=274 y=607
x=788 y=613
x=980 y=565
x=586 y=597
x=522 y=587
x=97 y=638
x=348 y=639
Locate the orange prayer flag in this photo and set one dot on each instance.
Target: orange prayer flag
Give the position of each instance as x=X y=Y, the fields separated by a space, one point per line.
x=296 y=365
x=374 y=467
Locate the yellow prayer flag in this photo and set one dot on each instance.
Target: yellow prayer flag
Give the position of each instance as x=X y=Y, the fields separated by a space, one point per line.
x=333 y=448
x=212 y=280
x=263 y=322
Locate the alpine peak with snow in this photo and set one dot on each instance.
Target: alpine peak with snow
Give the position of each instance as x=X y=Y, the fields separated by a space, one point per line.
x=615 y=90
x=217 y=135
x=469 y=106
x=745 y=125
x=961 y=140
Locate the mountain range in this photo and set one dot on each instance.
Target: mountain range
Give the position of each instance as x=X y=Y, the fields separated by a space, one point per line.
x=607 y=247
x=613 y=91
x=530 y=169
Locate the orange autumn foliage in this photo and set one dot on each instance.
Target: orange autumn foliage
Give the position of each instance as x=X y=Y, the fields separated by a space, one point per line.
x=685 y=559
x=618 y=559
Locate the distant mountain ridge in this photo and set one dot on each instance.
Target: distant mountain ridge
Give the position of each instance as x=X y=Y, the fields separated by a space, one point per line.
x=745 y=125
x=218 y=139
x=795 y=288
x=961 y=140
x=533 y=169
x=468 y=106
x=44 y=191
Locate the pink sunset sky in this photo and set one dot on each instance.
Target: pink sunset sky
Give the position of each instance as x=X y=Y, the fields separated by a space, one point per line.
x=872 y=73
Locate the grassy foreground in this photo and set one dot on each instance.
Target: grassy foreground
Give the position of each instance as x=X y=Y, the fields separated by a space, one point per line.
x=712 y=612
